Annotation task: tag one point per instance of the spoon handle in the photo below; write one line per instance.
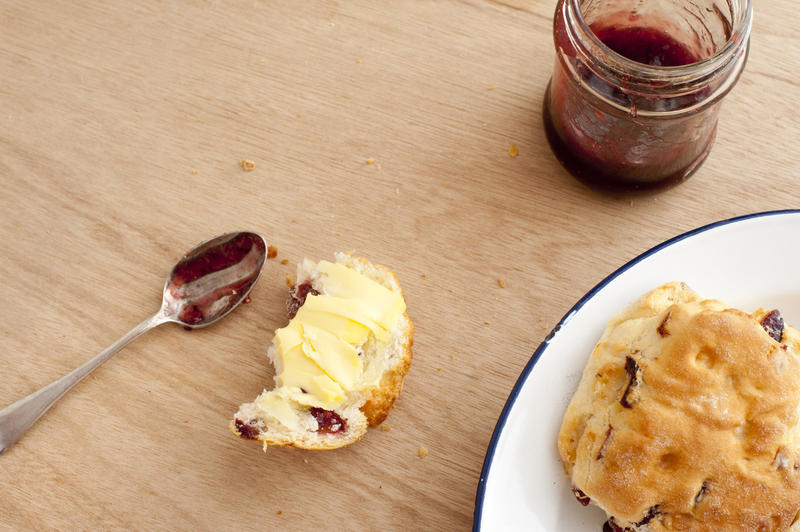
(16, 418)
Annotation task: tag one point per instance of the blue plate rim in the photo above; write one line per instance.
(512, 397)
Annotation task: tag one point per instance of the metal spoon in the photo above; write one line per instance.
(205, 285)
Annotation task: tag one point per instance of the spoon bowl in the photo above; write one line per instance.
(203, 287)
(212, 279)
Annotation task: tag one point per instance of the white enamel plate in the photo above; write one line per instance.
(748, 262)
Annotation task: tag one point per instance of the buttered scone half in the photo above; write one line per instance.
(686, 418)
(339, 363)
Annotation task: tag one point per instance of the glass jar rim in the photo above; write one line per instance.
(621, 66)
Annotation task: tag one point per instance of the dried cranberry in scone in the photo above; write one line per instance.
(297, 296)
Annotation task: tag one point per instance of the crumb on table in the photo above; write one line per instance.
(285, 261)
(512, 150)
(386, 427)
(247, 165)
(370, 160)
(272, 252)
(423, 452)
(501, 282)
(289, 281)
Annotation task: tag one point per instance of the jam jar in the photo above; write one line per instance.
(637, 84)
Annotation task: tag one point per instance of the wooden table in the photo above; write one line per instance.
(378, 127)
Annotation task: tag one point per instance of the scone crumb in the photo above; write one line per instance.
(386, 427)
(491, 88)
(247, 165)
(285, 261)
(280, 512)
(424, 275)
(501, 282)
(439, 368)
(452, 357)
(195, 171)
(272, 252)
(512, 150)
(305, 460)
(423, 452)
(370, 160)
(487, 322)
(289, 281)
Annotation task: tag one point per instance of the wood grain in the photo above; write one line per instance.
(121, 130)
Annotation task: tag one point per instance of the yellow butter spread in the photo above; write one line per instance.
(319, 350)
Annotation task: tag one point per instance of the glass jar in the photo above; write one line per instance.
(637, 84)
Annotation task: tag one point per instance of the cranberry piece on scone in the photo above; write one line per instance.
(297, 296)
(328, 421)
(581, 496)
(773, 324)
(633, 370)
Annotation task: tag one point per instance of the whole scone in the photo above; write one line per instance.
(686, 418)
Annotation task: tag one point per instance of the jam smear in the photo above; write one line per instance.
(297, 296)
(645, 45)
(773, 324)
(329, 421)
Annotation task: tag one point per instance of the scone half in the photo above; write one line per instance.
(339, 363)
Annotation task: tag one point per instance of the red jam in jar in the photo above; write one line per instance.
(637, 84)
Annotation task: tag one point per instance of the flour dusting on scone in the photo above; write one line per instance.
(687, 417)
(339, 363)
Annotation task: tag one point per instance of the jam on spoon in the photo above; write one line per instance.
(204, 286)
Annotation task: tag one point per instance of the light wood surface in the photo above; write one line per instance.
(122, 125)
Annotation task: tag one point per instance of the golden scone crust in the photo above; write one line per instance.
(686, 418)
(380, 399)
